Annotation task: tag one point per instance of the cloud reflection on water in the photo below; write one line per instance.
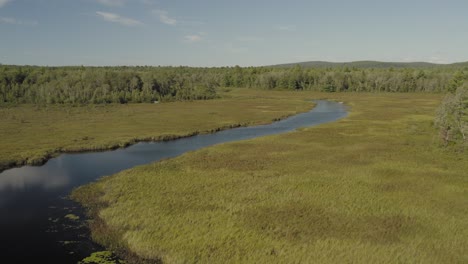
(27, 177)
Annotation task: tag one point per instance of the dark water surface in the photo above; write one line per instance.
(33, 226)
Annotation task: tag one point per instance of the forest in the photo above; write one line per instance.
(144, 84)
(101, 85)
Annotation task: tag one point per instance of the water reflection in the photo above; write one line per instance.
(28, 193)
(27, 177)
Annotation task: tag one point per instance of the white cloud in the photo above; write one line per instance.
(13, 21)
(437, 56)
(4, 2)
(111, 17)
(193, 38)
(164, 17)
(111, 2)
(438, 60)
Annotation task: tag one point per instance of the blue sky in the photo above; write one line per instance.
(227, 33)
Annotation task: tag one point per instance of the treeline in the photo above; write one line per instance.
(363, 80)
(96, 85)
(82, 85)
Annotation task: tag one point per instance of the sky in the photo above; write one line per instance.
(211, 33)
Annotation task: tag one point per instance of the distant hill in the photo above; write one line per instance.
(459, 64)
(369, 64)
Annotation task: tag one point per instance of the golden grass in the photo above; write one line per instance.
(30, 134)
(371, 188)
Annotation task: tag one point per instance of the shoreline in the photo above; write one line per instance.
(88, 216)
(39, 161)
(88, 198)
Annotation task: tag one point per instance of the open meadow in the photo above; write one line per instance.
(374, 187)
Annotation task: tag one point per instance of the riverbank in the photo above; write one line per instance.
(372, 187)
(31, 135)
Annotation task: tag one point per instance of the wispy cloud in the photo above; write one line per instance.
(193, 38)
(164, 17)
(116, 18)
(111, 2)
(437, 59)
(4, 2)
(439, 56)
(286, 28)
(13, 21)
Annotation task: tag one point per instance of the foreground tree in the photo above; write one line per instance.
(452, 118)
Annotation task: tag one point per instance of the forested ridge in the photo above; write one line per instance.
(97, 85)
(372, 64)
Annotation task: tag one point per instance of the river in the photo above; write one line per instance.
(33, 202)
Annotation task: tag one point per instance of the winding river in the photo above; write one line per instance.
(33, 205)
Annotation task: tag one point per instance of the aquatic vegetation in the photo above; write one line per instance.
(72, 217)
(102, 257)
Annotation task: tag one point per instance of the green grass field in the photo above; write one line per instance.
(30, 134)
(370, 188)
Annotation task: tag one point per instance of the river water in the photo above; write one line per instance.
(33, 203)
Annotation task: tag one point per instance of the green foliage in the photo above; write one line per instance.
(370, 188)
(457, 80)
(102, 257)
(99, 85)
(352, 79)
(329, 85)
(452, 118)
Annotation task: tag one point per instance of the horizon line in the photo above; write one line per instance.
(234, 65)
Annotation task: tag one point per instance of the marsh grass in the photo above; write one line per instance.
(371, 188)
(32, 134)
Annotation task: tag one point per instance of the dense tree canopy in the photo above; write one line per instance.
(82, 85)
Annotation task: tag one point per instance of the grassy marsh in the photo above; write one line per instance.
(370, 188)
(32, 134)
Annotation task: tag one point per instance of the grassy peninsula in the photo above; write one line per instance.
(30, 134)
